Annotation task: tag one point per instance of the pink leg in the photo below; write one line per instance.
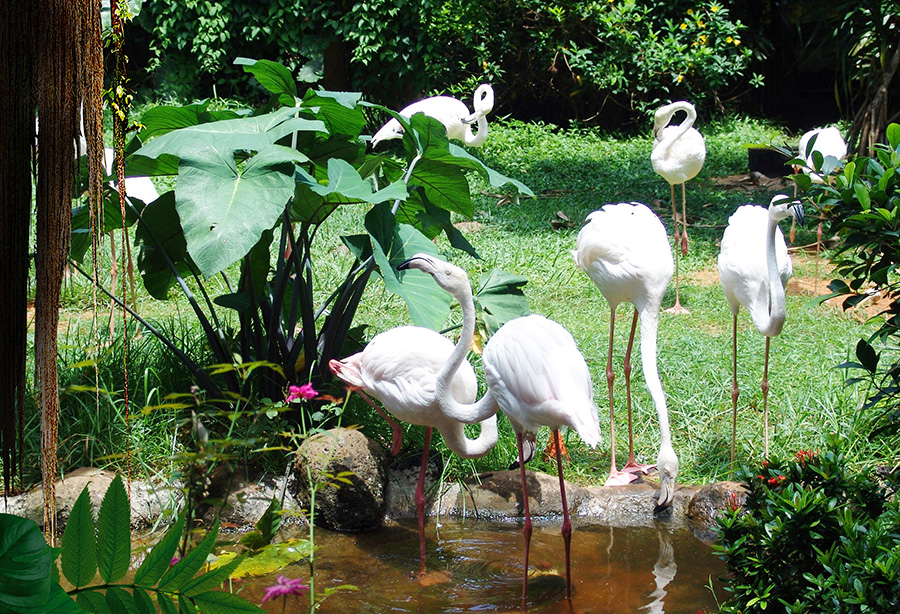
(632, 466)
(526, 530)
(684, 235)
(734, 386)
(676, 308)
(420, 498)
(616, 477)
(567, 524)
(396, 432)
(765, 392)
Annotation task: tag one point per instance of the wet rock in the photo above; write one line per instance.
(709, 502)
(356, 500)
(246, 500)
(147, 502)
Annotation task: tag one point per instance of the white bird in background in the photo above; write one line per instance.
(624, 249)
(829, 143)
(534, 373)
(399, 367)
(678, 155)
(451, 112)
(754, 268)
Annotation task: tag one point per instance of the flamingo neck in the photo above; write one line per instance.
(476, 139)
(666, 141)
(777, 308)
(468, 413)
(454, 435)
(649, 328)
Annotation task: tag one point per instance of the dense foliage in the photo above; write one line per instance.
(860, 204)
(572, 59)
(814, 535)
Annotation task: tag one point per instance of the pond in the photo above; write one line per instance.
(476, 566)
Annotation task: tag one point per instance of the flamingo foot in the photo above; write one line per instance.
(677, 309)
(632, 466)
(431, 578)
(620, 478)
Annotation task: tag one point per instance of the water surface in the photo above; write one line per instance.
(476, 566)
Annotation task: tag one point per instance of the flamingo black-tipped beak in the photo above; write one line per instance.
(666, 494)
(798, 213)
(409, 262)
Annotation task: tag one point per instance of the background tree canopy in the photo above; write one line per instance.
(602, 63)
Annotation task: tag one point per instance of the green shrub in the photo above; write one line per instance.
(813, 536)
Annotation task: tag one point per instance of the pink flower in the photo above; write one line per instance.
(284, 586)
(174, 560)
(306, 391)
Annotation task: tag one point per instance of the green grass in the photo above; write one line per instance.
(574, 172)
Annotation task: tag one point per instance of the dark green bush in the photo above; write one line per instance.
(813, 536)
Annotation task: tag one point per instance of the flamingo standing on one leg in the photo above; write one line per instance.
(451, 112)
(624, 249)
(678, 155)
(399, 367)
(534, 373)
(754, 268)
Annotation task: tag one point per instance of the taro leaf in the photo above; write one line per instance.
(79, 543)
(25, 563)
(223, 209)
(359, 245)
(868, 357)
(220, 602)
(114, 533)
(340, 111)
(184, 570)
(314, 201)
(500, 298)
(445, 185)
(393, 243)
(161, 224)
(497, 180)
(417, 211)
(158, 560)
(242, 134)
(273, 76)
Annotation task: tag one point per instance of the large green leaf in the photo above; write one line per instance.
(314, 200)
(339, 110)
(114, 533)
(225, 209)
(497, 180)
(25, 562)
(161, 240)
(158, 560)
(445, 185)
(393, 243)
(271, 75)
(500, 298)
(60, 602)
(79, 543)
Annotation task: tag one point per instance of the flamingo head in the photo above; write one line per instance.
(782, 207)
(663, 116)
(667, 465)
(448, 276)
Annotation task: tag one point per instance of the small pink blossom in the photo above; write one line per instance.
(284, 586)
(306, 391)
(174, 560)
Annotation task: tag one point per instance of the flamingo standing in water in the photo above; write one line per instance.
(754, 268)
(624, 249)
(399, 367)
(534, 373)
(451, 112)
(678, 155)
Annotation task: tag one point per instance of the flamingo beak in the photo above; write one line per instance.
(666, 494)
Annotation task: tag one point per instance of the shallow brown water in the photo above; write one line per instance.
(476, 566)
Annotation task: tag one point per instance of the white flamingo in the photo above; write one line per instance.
(451, 112)
(399, 367)
(534, 373)
(678, 155)
(754, 268)
(624, 249)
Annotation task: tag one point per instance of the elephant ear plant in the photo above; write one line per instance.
(252, 192)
